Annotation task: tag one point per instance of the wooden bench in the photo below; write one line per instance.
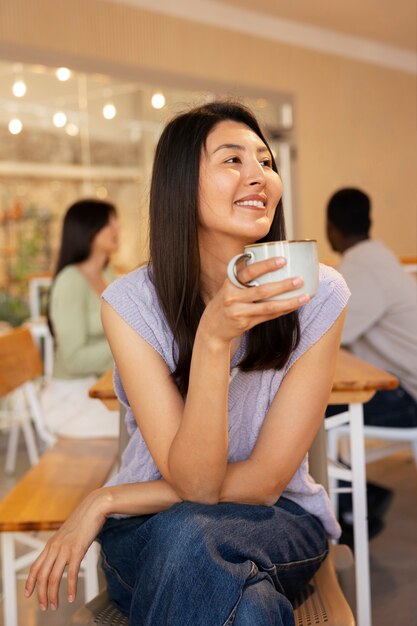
(43, 499)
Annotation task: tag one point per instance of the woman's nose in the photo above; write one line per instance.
(255, 173)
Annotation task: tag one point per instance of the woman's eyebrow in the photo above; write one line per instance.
(236, 146)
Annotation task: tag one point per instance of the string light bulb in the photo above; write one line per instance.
(59, 119)
(109, 111)
(158, 100)
(63, 74)
(15, 126)
(19, 88)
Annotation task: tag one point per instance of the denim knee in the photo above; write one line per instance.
(182, 532)
(121, 544)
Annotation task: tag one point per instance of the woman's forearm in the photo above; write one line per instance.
(198, 454)
(135, 498)
(246, 482)
(242, 483)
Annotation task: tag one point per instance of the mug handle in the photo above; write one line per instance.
(231, 270)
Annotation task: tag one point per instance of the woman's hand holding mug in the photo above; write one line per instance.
(278, 278)
(301, 261)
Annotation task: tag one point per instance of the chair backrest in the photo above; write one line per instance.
(317, 458)
(20, 360)
(39, 287)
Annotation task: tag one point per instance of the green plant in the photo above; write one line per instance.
(13, 309)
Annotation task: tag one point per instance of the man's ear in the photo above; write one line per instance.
(334, 235)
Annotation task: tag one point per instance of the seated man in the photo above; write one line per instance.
(380, 327)
(381, 319)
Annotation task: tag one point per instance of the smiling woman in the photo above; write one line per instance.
(241, 175)
(224, 394)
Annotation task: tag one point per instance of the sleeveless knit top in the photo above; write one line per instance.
(134, 298)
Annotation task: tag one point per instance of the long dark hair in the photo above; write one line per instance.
(82, 221)
(174, 252)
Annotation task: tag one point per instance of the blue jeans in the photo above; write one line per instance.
(212, 565)
(392, 408)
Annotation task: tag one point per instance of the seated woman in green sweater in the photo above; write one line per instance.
(89, 238)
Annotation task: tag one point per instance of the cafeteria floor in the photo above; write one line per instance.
(393, 552)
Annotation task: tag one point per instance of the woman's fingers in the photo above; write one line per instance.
(254, 270)
(235, 295)
(259, 312)
(33, 574)
(72, 578)
(42, 583)
(246, 315)
(54, 581)
(66, 548)
(236, 310)
(250, 273)
(276, 308)
(268, 290)
(46, 574)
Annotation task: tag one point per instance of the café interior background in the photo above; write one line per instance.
(334, 85)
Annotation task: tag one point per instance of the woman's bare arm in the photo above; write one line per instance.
(290, 426)
(188, 440)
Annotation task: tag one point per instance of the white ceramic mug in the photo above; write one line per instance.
(301, 257)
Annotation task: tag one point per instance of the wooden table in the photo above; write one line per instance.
(357, 380)
(103, 389)
(355, 383)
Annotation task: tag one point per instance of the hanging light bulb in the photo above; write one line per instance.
(59, 119)
(15, 126)
(19, 88)
(109, 111)
(158, 100)
(63, 74)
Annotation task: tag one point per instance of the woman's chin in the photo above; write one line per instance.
(256, 231)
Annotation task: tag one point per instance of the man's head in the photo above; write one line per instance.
(348, 218)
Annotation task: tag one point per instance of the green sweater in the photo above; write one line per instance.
(81, 348)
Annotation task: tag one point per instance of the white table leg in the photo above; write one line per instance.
(360, 516)
(9, 580)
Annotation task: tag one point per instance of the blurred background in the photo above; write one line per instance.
(86, 87)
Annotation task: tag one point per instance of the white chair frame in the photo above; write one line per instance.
(35, 284)
(25, 408)
(398, 439)
(13, 565)
(352, 420)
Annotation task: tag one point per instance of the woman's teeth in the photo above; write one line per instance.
(257, 203)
